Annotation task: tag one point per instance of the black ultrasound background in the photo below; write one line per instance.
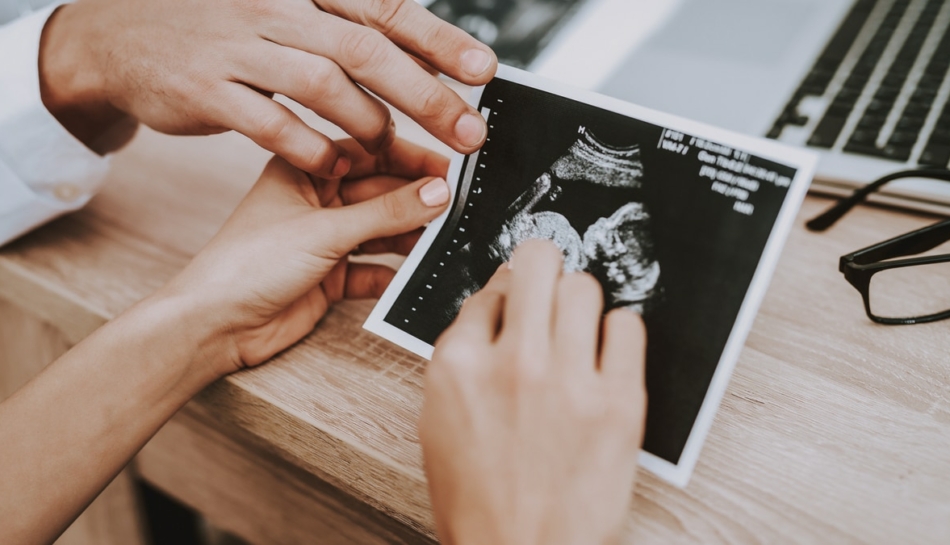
(707, 252)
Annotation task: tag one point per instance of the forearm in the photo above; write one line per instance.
(68, 432)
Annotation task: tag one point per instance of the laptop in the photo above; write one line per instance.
(863, 82)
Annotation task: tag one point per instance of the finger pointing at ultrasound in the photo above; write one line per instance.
(220, 63)
(366, 40)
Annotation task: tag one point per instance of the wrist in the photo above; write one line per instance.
(194, 342)
(73, 89)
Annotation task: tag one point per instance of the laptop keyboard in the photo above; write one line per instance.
(880, 86)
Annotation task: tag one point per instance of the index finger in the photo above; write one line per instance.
(447, 48)
(537, 266)
(379, 65)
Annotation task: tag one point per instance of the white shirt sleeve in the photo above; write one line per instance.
(44, 170)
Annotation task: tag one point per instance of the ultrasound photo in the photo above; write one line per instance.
(673, 226)
(517, 30)
(616, 247)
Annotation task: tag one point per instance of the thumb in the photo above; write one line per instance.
(392, 213)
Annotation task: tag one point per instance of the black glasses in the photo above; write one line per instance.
(913, 290)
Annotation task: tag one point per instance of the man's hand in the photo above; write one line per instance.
(280, 261)
(534, 413)
(185, 67)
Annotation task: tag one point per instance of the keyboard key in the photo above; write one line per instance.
(929, 82)
(839, 45)
(864, 137)
(910, 123)
(904, 138)
(887, 93)
(828, 63)
(863, 149)
(935, 155)
(897, 153)
(839, 109)
(827, 132)
(877, 106)
(872, 121)
(936, 69)
(848, 96)
(917, 109)
(940, 135)
(907, 130)
(893, 80)
(924, 96)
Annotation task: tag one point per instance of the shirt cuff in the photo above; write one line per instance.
(33, 145)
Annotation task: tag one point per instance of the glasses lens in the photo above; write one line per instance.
(911, 292)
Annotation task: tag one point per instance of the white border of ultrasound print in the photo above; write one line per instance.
(802, 160)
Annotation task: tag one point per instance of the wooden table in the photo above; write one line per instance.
(833, 429)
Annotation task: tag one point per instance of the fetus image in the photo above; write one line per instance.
(616, 247)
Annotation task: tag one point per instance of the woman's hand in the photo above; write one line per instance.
(186, 67)
(261, 284)
(534, 411)
(280, 261)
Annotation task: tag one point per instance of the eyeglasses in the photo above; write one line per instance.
(912, 290)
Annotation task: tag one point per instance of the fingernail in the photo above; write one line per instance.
(475, 62)
(470, 130)
(341, 167)
(434, 193)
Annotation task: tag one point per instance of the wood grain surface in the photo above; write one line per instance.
(248, 492)
(833, 429)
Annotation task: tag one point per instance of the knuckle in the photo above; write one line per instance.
(387, 14)
(477, 299)
(582, 284)
(629, 323)
(541, 250)
(526, 368)
(255, 10)
(588, 407)
(386, 126)
(438, 37)
(362, 48)
(627, 410)
(454, 352)
(319, 81)
(470, 302)
(434, 103)
(272, 129)
(319, 156)
(393, 208)
(380, 130)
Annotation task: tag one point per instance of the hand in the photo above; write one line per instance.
(186, 67)
(280, 261)
(262, 282)
(531, 432)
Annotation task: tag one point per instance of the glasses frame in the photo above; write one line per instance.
(860, 266)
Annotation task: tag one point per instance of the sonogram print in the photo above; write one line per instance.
(617, 248)
(622, 204)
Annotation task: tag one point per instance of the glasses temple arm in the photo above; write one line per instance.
(833, 214)
(915, 242)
